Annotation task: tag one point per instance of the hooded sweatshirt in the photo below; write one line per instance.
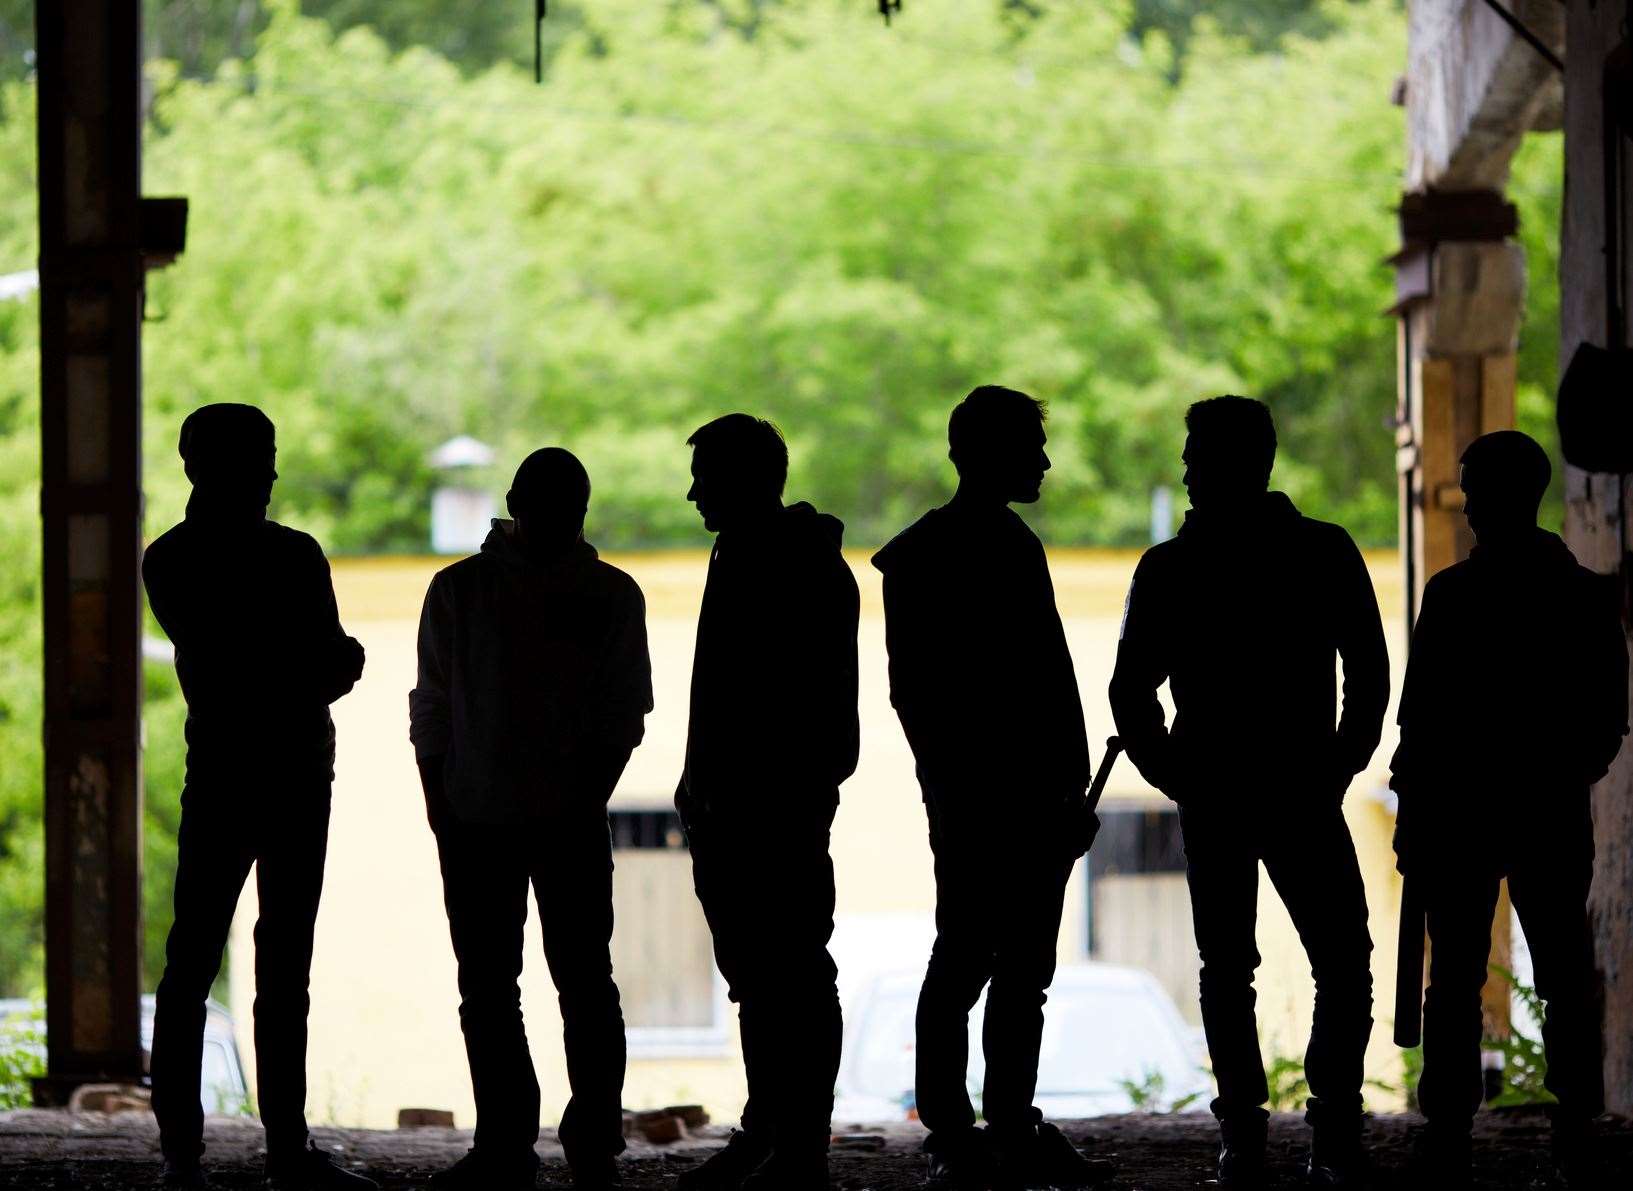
(260, 654)
(1245, 614)
(1516, 694)
(530, 673)
(773, 713)
(980, 674)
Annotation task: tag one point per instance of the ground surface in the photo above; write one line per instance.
(51, 1149)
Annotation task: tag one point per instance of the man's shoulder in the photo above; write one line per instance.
(605, 578)
(289, 540)
(1161, 560)
(1326, 536)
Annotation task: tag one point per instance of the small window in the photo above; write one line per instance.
(662, 954)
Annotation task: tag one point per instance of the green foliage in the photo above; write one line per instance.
(1411, 1075)
(1146, 1094)
(1289, 1088)
(1525, 1065)
(22, 1057)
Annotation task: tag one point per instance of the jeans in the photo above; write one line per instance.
(999, 894)
(1310, 857)
(766, 884)
(486, 872)
(285, 838)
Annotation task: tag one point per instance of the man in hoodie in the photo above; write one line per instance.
(772, 733)
(534, 683)
(982, 681)
(1245, 614)
(260, 655)
(1515, 704)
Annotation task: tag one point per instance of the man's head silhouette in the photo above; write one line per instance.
(995, 439)
(229, 452)
(1230, 447)
(548, 500)
(739, 467)
(1504, 476)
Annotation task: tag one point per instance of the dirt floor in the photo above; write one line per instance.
(55, 1149)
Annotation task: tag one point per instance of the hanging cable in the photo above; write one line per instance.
(1525, 35)
(541, 9)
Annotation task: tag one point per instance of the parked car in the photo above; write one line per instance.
(223, 1088)
(1113, 1041)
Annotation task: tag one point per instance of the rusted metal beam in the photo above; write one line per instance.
(91, 280)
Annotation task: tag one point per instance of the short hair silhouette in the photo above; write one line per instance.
(751, 448)
(550, 480)
(217, 440)
(1510, 467)
(1239, 428)
(991, 415)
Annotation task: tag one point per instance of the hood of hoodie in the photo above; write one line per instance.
(504, 547)
(1271, 513)
(940, 530)
(1537, 550)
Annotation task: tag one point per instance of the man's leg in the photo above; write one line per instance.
(1314, 869)
(961, 963)
(213, 858)
(289, 882)
(1030, 891)
(1551, 899)
(1458, 909)
(484, 888)
(572, 879)
(1222, 871)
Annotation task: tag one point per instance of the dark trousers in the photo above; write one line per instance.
(486, 871)
(284, 834)
(1550, 895)
(767, 891)
(1310, 857)
(999, 894)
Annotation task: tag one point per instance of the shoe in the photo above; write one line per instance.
(1441, 1160)
(964, 1163)
(312, 1170)
(183, 1176)
(1241, 1152)
(783, 1171)
(597, 1174)
(1057, 1162)
(1337, 1158)
(727, 1168)
(479, 1171)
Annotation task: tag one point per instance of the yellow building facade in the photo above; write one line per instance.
(384, 1019)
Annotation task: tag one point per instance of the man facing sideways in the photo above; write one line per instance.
(1515, 703)
(982, 680)
(533, 687)
(772, 733)
(260, 655)
(1245, 614)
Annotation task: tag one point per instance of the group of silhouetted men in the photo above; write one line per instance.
(534, 681)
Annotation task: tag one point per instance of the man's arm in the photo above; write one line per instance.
(339, 657)
(1142, 667)
(915, 641)
(1605, 660)
(430, 721)
(624, 699)
(1366, 663)
(842, 613)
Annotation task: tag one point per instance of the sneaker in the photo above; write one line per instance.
(478, 1171)
(963, 1163)
(1241, 1152)
(1055, 1161)
(1337, 1158)
(312, 1170)
(183, 1176)
(596, 1174)
(783, 1171)
(726, 1168)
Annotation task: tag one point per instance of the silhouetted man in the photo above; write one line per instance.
(982, 681)
(772, 734)
(1515, 703)
(260, 655)
(1245, 614)
(533, 688)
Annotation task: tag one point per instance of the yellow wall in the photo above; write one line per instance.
(384, 1022)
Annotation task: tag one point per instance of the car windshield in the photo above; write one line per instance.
(1092, 1038)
